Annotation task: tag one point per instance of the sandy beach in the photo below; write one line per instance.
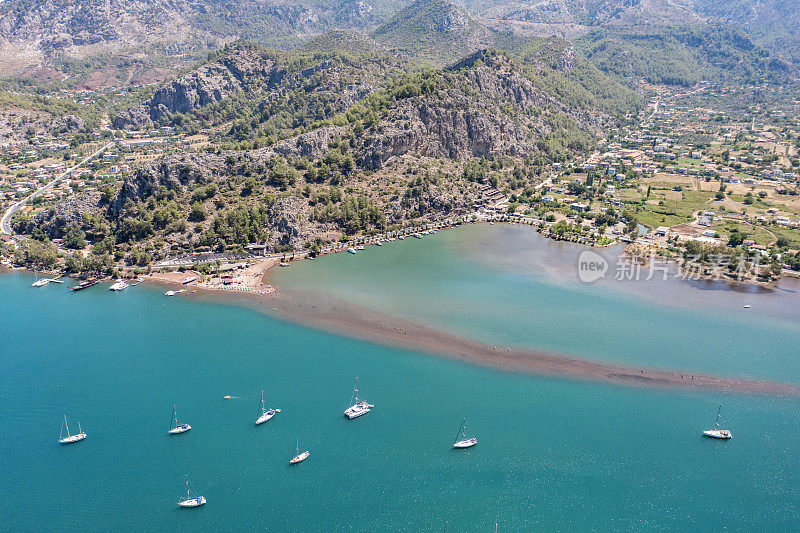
(327, 314)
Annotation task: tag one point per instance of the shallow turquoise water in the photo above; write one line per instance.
(508, 285)
(552, 454)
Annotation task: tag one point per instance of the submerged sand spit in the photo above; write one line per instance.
(325, 313)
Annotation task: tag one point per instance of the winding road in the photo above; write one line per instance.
(5, 222)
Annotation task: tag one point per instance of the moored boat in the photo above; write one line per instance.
(299, 457)
(169, 293)
(351, 250)
(266, 414)
(84, 284)
(118, 285)
(40, 282)
(69, 439)
(176, 428)
(190, 501)
(357, 407)
(718, 433)
(461, 440)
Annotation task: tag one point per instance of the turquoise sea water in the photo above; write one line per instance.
(552, 454)
(506, 284)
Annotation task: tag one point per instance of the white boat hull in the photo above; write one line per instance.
(182, 428)
(359, 409)
(466, 443)
(299, 458)
(193, 502)
(267, 416)
(718, 434)
(73, 438)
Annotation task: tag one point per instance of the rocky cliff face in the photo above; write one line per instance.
(245, 70)
(488, 109)
(320, 86)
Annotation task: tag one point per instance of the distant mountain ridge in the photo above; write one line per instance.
(92, 43)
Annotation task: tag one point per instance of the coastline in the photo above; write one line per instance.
(324, 313)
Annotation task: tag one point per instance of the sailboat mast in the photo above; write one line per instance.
(298, 446)
(67, 425)
(355, 394)
(719, 411)
(459, 430)
(175, 424)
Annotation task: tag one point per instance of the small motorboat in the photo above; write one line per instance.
(360, 247)
(747, 306)
(169, 293)
(118, 285)
(226, 397)
(351, 250)
(188, 280)
(300, 457)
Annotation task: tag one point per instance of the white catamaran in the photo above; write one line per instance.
(266, 414)
(464, 442)
(357, 407)
(174, 427)
(717, 433)
(300, 457)
(190, 501)
(69, 439)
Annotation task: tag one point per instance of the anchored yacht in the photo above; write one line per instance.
(357, 407)
(266, 414)
(300, 457)
(176, 428)
(190, 501)
(717, 433)
(69, 439)
(464, 442)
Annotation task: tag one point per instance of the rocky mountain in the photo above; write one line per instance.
(392, 149)
(435, 31)
(263, 91)
(125, 39)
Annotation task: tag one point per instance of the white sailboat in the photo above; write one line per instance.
(357, 407)
(190, 501)
(717, 433)
(69, 439)
(464, 442)
(266, 414)
(174, 427)
(300, 457)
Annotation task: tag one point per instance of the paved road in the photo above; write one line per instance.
(5, 222)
